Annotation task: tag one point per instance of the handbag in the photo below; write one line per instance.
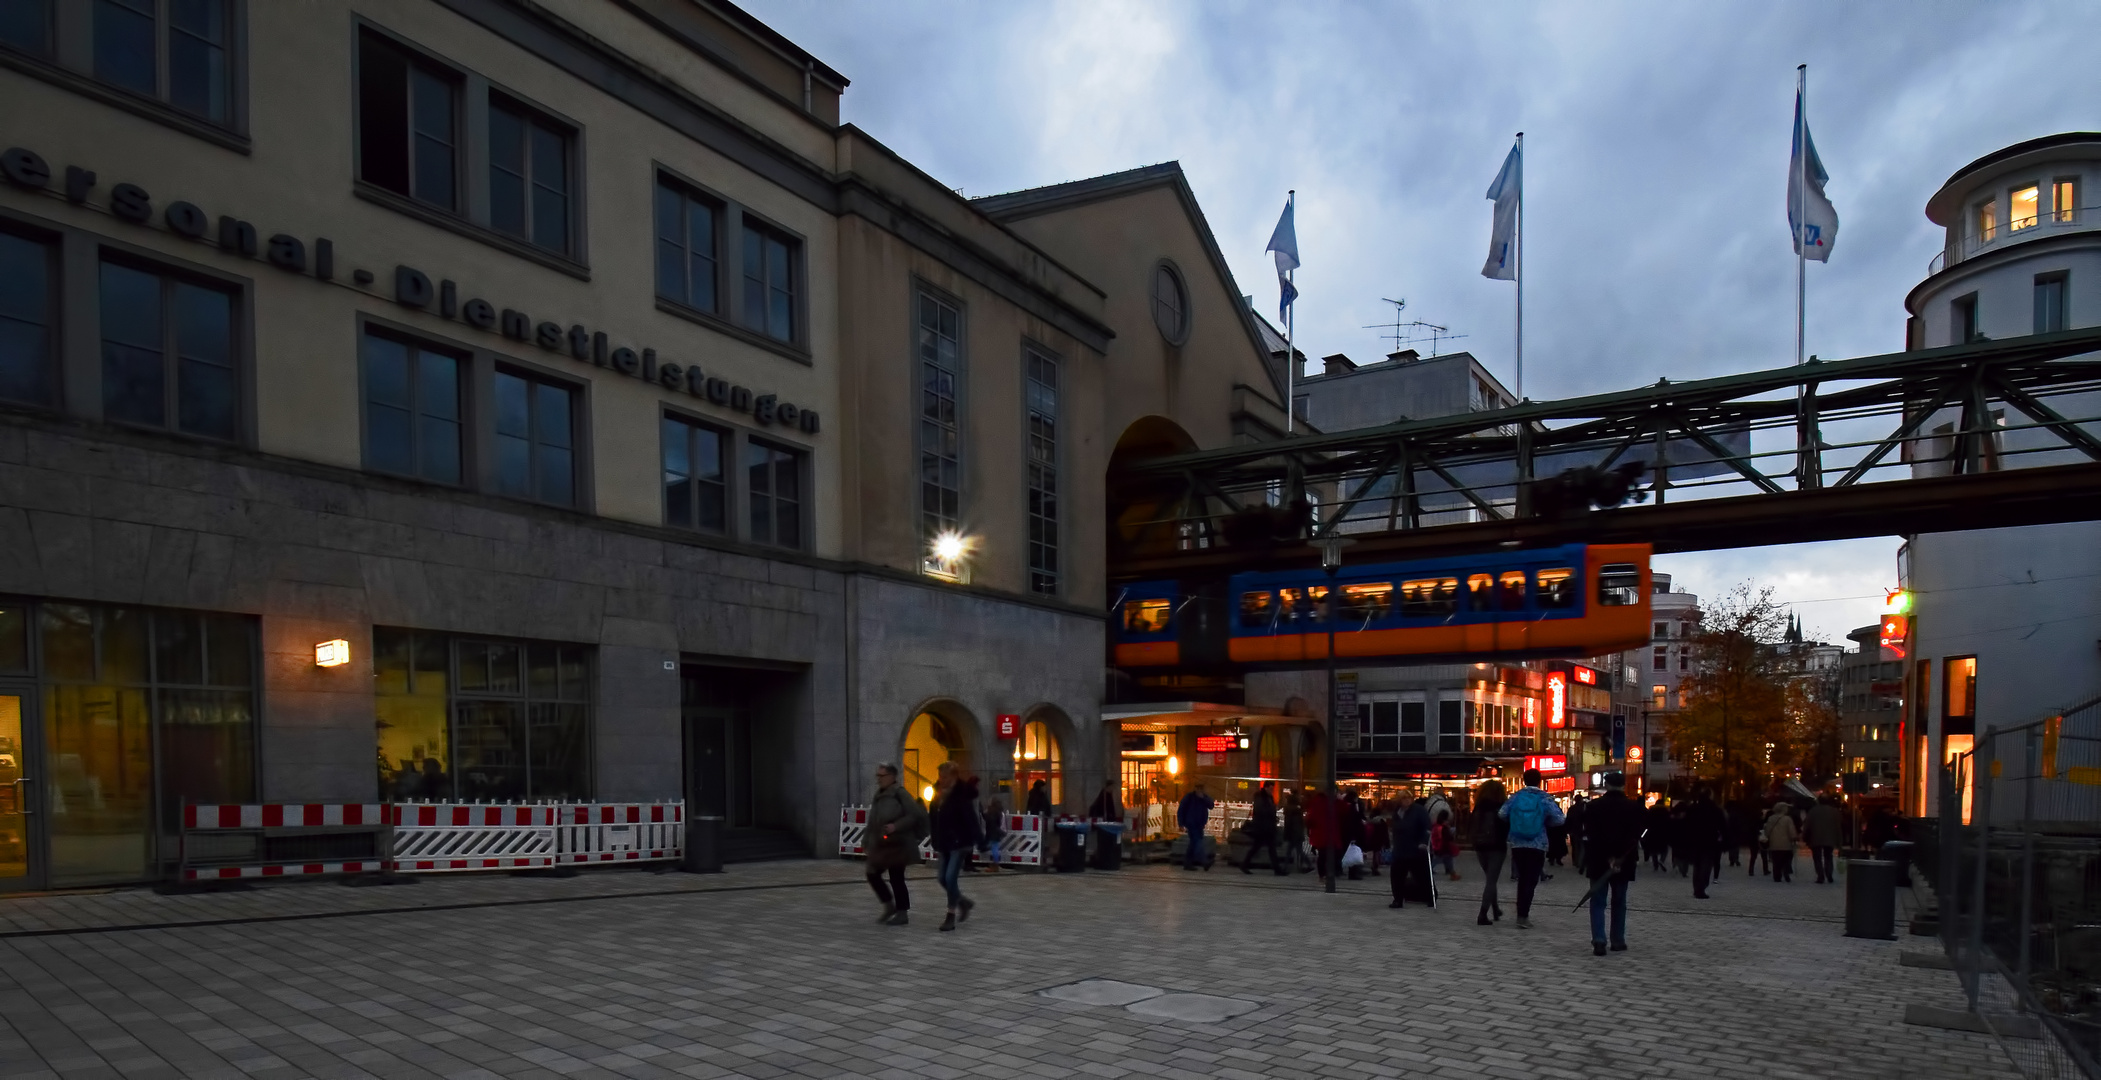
(1352, 856)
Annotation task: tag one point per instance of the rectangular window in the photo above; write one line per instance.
(1962, 313)
(1661, 658)
(1450, 727)
(696, 487)
(412, 409)
(1557, 588)
(481, 721)
(28, 299)
(1431, 598)
(26, 25)
(773, 483)
(2049, 302)
(769, 281)
(940, 451)
(408, 123)
(1657, 695)
(1510, 590)
(1959, 695)
(168, 348)
(1367, 602)
(1987, 214)
(2022, 208)
(1684, 659)
(1480, 592)
(535, 438)
(1663, 631)
(1147, 616)
(2064, 200)
(1257, 609)
(1619, 585)
(1412, 720)
(686, 250)
(1042, 435)
(528, 175)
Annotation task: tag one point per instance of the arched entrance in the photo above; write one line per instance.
(1136, 508)
(939, 732)
(1039, 756)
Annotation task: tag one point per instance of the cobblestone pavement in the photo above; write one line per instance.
(779, 970)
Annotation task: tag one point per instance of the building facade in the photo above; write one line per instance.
(2004, 621)
(1870, 707)
(490, 400)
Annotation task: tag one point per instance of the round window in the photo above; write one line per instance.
(1170, 303)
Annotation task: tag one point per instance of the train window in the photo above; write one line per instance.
(1306, 605)
(1430, 596)
(1480, 592)
(1511, 589)
(1367, 601)
(1619, 584)
(1257, 609)
(1557, 588)
(1146, 616)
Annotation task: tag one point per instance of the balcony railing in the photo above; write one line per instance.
(2015, 231)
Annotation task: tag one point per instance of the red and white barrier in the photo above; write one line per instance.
(621, 832)
(282, 815)
(440, 837)
(270, 870)
(1022, 844)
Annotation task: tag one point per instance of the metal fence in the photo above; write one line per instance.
(2015, 861)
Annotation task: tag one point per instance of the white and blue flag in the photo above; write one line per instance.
(1508, 191)
(1814, 225)
(1284, 244)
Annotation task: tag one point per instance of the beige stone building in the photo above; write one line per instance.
(640, 430)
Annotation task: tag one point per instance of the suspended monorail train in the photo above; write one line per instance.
(1571, 601)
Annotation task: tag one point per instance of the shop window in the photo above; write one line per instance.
(696, 484)
(1042, 436)
(687, 255)
(529, 181)
(1959, 695)
(168, 352)
(28, 316)
(773, 481)
(534, 440)
(1557, 588)
(1037, 756)
(408, 123)
(770, 268)
(1257, 609)
(479, 720)
(412, 408)
(1430, 597)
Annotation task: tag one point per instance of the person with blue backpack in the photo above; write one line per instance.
(1530, 813)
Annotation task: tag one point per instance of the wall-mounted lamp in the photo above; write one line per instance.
(332, 653)
(1174, 765)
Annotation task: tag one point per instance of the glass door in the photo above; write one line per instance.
(20, 864)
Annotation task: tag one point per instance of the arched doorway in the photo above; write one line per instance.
(1039, 755)
(936, 734)
(1139, 510)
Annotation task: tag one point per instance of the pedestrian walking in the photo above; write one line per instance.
(1411, 854)
(995, 831)
(1823, 830)
(1705, 831)
(1378, 828)
(1194, 816)
(1294, 834)
(1444, 843)
(1353, 833)
(1530, 814)
(1262, 832)
(1490, 845)
(958, 827)
(1613, 829)
(1780, 836)
(1656, 834)
(896, 823)
(1576, 810)
(1324, 832)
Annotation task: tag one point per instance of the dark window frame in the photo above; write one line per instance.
(2056, 287)
(68, 61)
(935, 520)
(1180, 336)
(727, 318)
(727, 457)
(799, 459)
(579, 434)
(1042, 457)
(1963, 321)
(794, 249)
(690, 196)
(534, 123)
(467, 420)
(54, 373)
(240, 342)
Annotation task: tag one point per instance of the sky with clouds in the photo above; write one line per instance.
(1656, 137)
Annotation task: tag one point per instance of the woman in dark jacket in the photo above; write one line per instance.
(1294, 832)
(958, 828)
(1491, 844)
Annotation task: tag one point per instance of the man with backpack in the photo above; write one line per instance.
(1530, 813)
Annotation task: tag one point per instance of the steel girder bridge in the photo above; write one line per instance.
(1985, 435)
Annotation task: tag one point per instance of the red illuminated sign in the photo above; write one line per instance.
(1547, 763)
(1559, 785)
(1557, 699)
(1584, 675)
(1896, 632)
(1010, 725)
(1217, 744)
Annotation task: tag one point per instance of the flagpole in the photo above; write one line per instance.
(1521, 266)
(1291, 318)
(1801, 207)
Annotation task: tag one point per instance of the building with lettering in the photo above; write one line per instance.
(484, 400)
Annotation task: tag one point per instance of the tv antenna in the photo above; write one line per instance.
(1394, 328)
(1401, 334)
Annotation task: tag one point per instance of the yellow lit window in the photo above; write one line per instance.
(2021, 209)
(1145, 616)
(1431, 596)
(2065, 203)
(1557, 588)
(1481, 592)
(1987, 220)
(1512, 588)
(1367, 600)
(1658, 693)
(1256, 609)
(1962, 687)
(1309, 604)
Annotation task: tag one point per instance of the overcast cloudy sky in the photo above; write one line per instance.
(1656, 140)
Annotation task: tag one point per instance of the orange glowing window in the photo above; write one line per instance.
(1366, 601)
(1257, 609)
(1480, 592)
(1146, 616)
(1557, 588)
(1433, 597)
(1510, 588)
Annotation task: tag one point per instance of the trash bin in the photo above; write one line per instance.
(1899, 852)
(1871, 899)
(703, 844)
(1071, 856)
(1108, 845)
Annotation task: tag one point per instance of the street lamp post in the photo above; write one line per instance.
(1331, 561)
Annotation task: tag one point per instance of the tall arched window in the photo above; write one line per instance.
(1037, 756)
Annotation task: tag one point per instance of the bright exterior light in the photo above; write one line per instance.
(332, 653)
(1634, 753)
(1896, 602)
(927, 793)
(948, 547)
(1174, 765)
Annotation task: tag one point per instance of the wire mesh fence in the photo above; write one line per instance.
(2015, 861)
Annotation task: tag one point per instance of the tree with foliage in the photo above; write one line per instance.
(1733, 719)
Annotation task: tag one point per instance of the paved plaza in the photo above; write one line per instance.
(779, 970)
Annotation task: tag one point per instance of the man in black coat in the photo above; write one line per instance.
(1262, 832)
(1705, 834)
(1411, 854)
(1612, 830)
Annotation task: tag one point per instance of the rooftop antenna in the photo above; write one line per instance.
(1395, 327)
(1436, 334)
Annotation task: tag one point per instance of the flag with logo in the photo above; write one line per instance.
(1284, 245)
(1810, 215)
(1508, 192)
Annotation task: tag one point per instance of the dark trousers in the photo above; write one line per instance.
(1193, 854)
(1491, 868)
(1820, 857)
(1706, 865)
(883, 892)
(1758, 861)
(1614, 896)
(1529, 862)
(1733, 859)
(950, 875)
(1783, 865)
(1268, 844)
(1410, 868)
